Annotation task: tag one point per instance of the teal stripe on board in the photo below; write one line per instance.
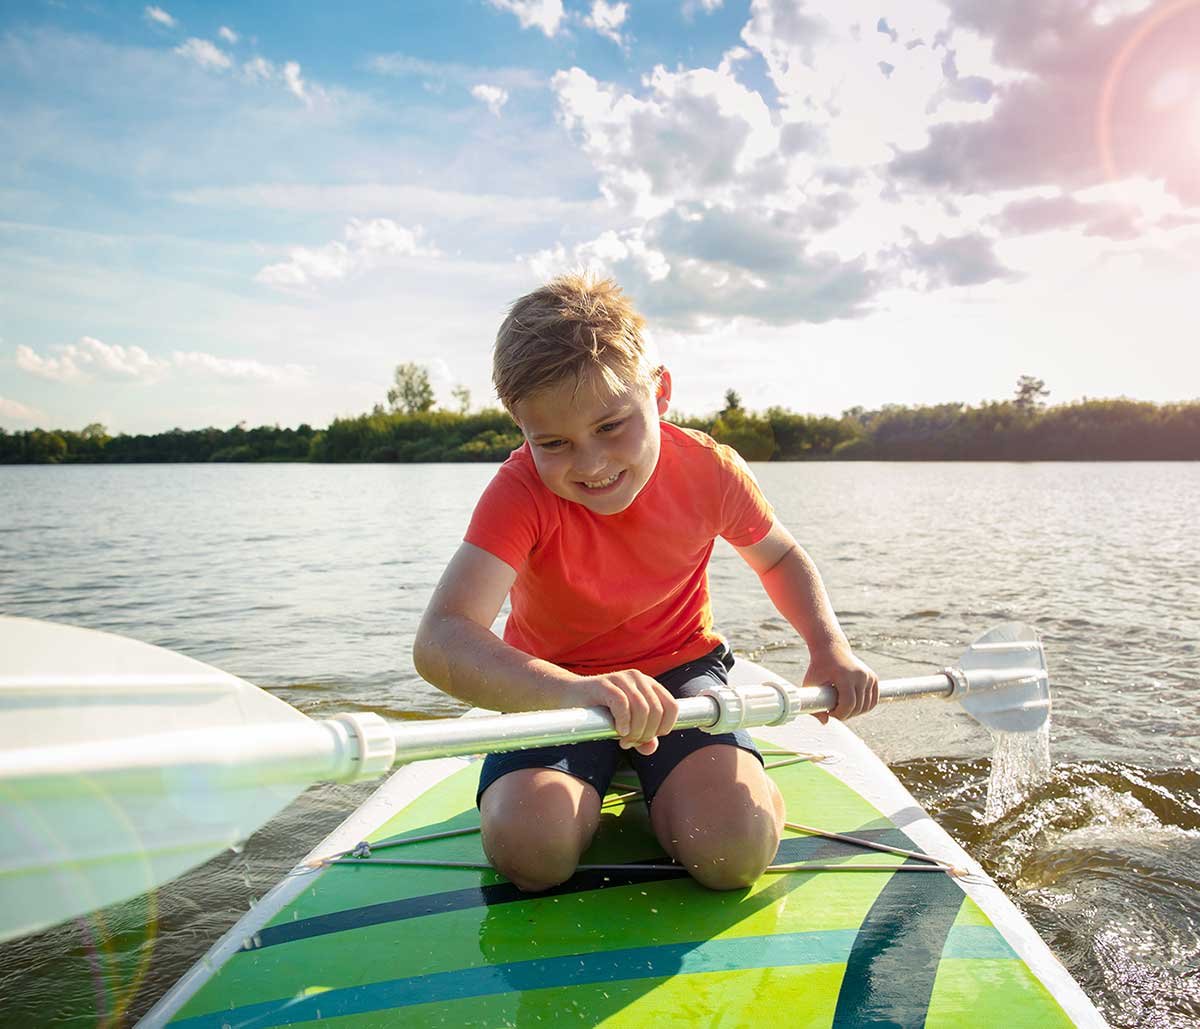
(979, 942)
(747, 952)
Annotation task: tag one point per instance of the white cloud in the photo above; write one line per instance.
(237, 369)
(367, 245)
(698, 135)
(546, 15)
(204, 54)
(606, 254)
(868, 82)
(733, 210)
(1107, 11)
(77, 362)
(607, 19)
(258, 69)
(729, 265)
(493, 96)
(57, 369)
(227, 34)
(159, 17)
(12, 410)
(90, 358)
(384, 236)
(295, 84)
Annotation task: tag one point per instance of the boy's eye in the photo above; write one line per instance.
(609, 426)
(552, 444)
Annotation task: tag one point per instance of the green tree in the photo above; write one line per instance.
(733, 400)
(750, 435)
(89, 446)
(411, 391)
(1031, 393)
(462, 397)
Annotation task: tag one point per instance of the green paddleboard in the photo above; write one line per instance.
(373, 945)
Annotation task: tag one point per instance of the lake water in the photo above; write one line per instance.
(309, 580)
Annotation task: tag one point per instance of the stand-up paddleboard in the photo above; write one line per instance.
(375, 944)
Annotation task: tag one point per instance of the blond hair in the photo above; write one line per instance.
(576, 327)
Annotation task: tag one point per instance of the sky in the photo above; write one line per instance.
(214, 213)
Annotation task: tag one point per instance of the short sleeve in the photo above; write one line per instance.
(507, 520)
(746, 517)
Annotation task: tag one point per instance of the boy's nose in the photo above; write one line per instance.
(589, 464)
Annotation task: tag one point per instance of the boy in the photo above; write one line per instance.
(601, 526)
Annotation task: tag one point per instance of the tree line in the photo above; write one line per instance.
(410, 429)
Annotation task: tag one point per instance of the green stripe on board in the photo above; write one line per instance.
(773, 952)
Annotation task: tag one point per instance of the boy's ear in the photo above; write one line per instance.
(663, 391)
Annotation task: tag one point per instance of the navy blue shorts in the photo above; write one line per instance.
(596, 760)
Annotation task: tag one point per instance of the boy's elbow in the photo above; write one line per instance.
(426, 652)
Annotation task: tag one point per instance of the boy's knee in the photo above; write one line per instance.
(729, 866)
(735, 853)
(531, 865)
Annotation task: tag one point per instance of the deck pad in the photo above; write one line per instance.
(389, 946)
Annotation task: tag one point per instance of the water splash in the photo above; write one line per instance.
(1020, 763)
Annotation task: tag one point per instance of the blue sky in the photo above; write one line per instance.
(212, 213)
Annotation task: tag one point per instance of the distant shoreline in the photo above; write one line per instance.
(1087, 430)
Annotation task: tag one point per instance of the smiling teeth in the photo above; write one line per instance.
(601, 483)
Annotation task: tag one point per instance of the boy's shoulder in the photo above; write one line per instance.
(688, 438)
(699, 447)
(518, 468)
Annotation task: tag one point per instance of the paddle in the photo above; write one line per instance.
(123, 765)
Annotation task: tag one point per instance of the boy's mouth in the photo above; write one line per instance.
(597, 485)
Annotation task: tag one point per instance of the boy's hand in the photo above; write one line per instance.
(857, 686)
(642, 708)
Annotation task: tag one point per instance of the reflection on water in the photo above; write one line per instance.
(309, 581)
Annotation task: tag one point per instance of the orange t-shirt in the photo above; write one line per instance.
(598, 593)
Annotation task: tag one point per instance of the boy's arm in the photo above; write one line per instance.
(795, 588)
(456, 650)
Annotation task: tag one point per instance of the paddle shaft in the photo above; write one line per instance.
(762, 705)
(329, 749)
(499, 733)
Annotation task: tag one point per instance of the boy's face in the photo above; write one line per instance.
(591, 446)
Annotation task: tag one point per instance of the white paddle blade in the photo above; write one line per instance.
(1008, 685)
(75, 838)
